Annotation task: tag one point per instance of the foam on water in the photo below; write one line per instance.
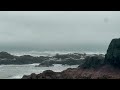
(51, 53)
(17, 71)
(15, 77)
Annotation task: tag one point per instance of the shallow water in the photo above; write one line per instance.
(17, 71)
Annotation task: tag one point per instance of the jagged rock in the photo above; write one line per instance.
(113, 53)
(46, 61)
(93, 62)
(6, 58)
(5, 55)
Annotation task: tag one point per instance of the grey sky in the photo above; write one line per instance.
(34, 30)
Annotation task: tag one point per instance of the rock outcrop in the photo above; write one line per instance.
(95, 67)
(46, 61)
(112, 56)
(5, 55)
(64, 59)
(6, 58)
(104, 72)
(68, 61)
(93, 62)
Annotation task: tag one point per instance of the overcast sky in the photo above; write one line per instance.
(36, 30)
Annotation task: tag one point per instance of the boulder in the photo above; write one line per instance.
(93, 62)
(112, 56)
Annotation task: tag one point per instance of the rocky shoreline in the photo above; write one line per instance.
(94, 67)
(45, 61)
(104, 72)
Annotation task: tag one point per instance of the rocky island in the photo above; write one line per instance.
(93, 67)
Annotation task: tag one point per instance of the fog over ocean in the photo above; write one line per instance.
(58, 30)
(46, 33)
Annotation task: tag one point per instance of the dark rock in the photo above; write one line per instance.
(72, 61)
(45, 64)
(26, 77)
(6, 58)
(48, 74)
(113, 53)
(58, 56)
(71, 55)
(46, 61)
(93, 62)
(33, 76)
(64, 59)
(5, 55)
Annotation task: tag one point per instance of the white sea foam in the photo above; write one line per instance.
(52, 53)
(17, 71)
(16, 77)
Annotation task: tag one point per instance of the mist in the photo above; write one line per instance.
(58, 30)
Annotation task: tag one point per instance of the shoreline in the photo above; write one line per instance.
(15, 71)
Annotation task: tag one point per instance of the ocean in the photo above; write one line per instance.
(51, 53)
(17, 71)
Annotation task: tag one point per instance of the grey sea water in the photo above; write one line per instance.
(17, 71)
